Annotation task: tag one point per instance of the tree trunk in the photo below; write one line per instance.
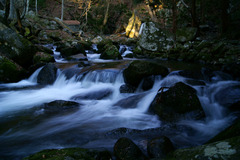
(19, 20)
(174, 18)
(106, 13)
(224, 15)
(150, 12)
(194, 15)
(62, 10)
(12, 13)
(36, 7)
(27, 6)
(7, 9)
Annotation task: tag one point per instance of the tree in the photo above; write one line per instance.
(36, 7)
(224, 15)
(62, 10)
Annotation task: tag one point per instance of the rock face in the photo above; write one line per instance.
(111, 52)
(178, 102)
(153, 38)
(125, 149)
(138, 70)
(186, 34)
(159, 147)
(16, 47)
(10, 71)
(221, 150)
(47, 75)
(70, 154)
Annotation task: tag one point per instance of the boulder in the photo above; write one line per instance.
(138, 70)
(15, 47)
(10, 71)
(126, 149)
(60, 106)
(159, 147)
(70, 154)
(153, 38)
(221, 150)
(126, 88)
(111, 52)
(227, 96)
(47, 75)
(180, 101)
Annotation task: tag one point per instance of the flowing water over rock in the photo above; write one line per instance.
(103, 113)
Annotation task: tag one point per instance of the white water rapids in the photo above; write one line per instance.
(87, 126)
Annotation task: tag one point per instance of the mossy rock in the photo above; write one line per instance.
(126, 149)
(111, 52)
(101, 45)
(180, 101)
(22, 50)
(221, 150)
(10, 71)
(41, 57)
(47, 75)
(70, 153)
(138, 70)
(186, 34)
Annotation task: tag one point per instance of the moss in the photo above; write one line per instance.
(69, 153)
(41, 57)
(10, 71)
(111, 52)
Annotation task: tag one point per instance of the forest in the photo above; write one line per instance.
(119, 79)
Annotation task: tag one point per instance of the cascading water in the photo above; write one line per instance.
(26, 126)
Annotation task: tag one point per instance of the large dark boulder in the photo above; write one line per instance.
(47, 75)
(180, 101)
(228, 96)
(126, 149)
(111, 52)
(159, 147)
(60, 106)
(10, 71)
(138, 70)
(70, 154)
(15, 47)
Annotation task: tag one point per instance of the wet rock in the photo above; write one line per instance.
(41, 57)
(60, 106)
(129, 102)
(96, 95)
(159, 147)
(111, 52)
(203, 74)
(126, 149)
(227, 96)
(10, 71)
(232, 131)
(70, 154)
(138, 70)
(180, 101)
(232, 69)
(148, 83)
(126, 88)
(221, 150)
(235, 106)
(194, 82)
(47, 75)
(84, 64)
(79, 57)
(15, 47)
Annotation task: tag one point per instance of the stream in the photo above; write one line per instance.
(103, 113)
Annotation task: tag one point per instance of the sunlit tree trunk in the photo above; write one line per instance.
(62, 10)
(106, 13)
